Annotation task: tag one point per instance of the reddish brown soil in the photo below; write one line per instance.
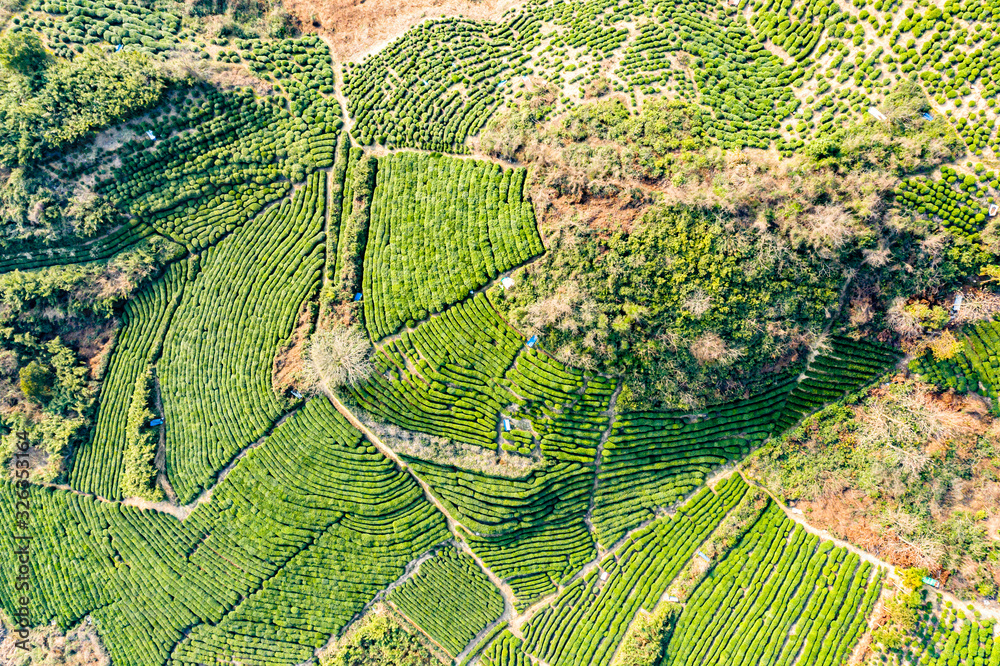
(355, 28)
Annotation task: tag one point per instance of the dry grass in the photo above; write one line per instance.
(569, 309)
(50, 647)
(289, 361)
(445, 452)
(978, 305)
(901, 434)
(337, 357)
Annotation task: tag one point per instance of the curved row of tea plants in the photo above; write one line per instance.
(848, 366)
(505, 650)
(434, 86)
(215, 372)
(440, 227)
(220, 160)
(82, 23)
(97, 465)
(589, 618)
(309, 526)
(654, 459)
(947, 637)
(445, 377)
(780, 596)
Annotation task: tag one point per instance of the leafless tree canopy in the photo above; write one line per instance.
(709, 349)
(337, 357)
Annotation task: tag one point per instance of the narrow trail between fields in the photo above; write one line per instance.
(409, 571)
(453, 524)
(182, 511)
(988, 612)
(610, 413)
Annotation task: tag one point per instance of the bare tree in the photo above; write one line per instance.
(338, 357)
(710, 349)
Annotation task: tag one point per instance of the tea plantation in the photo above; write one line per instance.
(287, 335)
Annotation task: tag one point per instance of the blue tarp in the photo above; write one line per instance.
(357, 297)
(156, 422)
(532, 341)
(928, 116)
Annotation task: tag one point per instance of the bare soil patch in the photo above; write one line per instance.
(288, 362)
(356, 28)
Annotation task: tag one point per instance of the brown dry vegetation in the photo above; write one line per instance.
(917, 447)
(355, 28)
(51, 647)
(288, 362)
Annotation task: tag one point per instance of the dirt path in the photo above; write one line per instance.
(356, 29)
(453, 524)
(181, 511)
(991, 611)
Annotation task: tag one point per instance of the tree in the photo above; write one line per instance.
(913, 577)
(23, 53)
(36, 381)
(338, 357)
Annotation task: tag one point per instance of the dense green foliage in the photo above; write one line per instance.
(378, 640)
(450, 598)
(69, 101)
(138, 474)
(328, 532)
(440, 228)
(355, 219)
(677, 306)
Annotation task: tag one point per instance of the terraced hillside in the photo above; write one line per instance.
(513, 333)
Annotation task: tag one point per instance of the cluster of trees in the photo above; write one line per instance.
(899, 452)
(766, 250)
(47, 105)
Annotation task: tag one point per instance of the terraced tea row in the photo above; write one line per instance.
(588, 619)
(780, 596)
(654, 459)
(312, 541)
(222, 159)
(440, 227)
(432, 87)
(450, 599)
(847, 366)
(215, 372)
(97, 466)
